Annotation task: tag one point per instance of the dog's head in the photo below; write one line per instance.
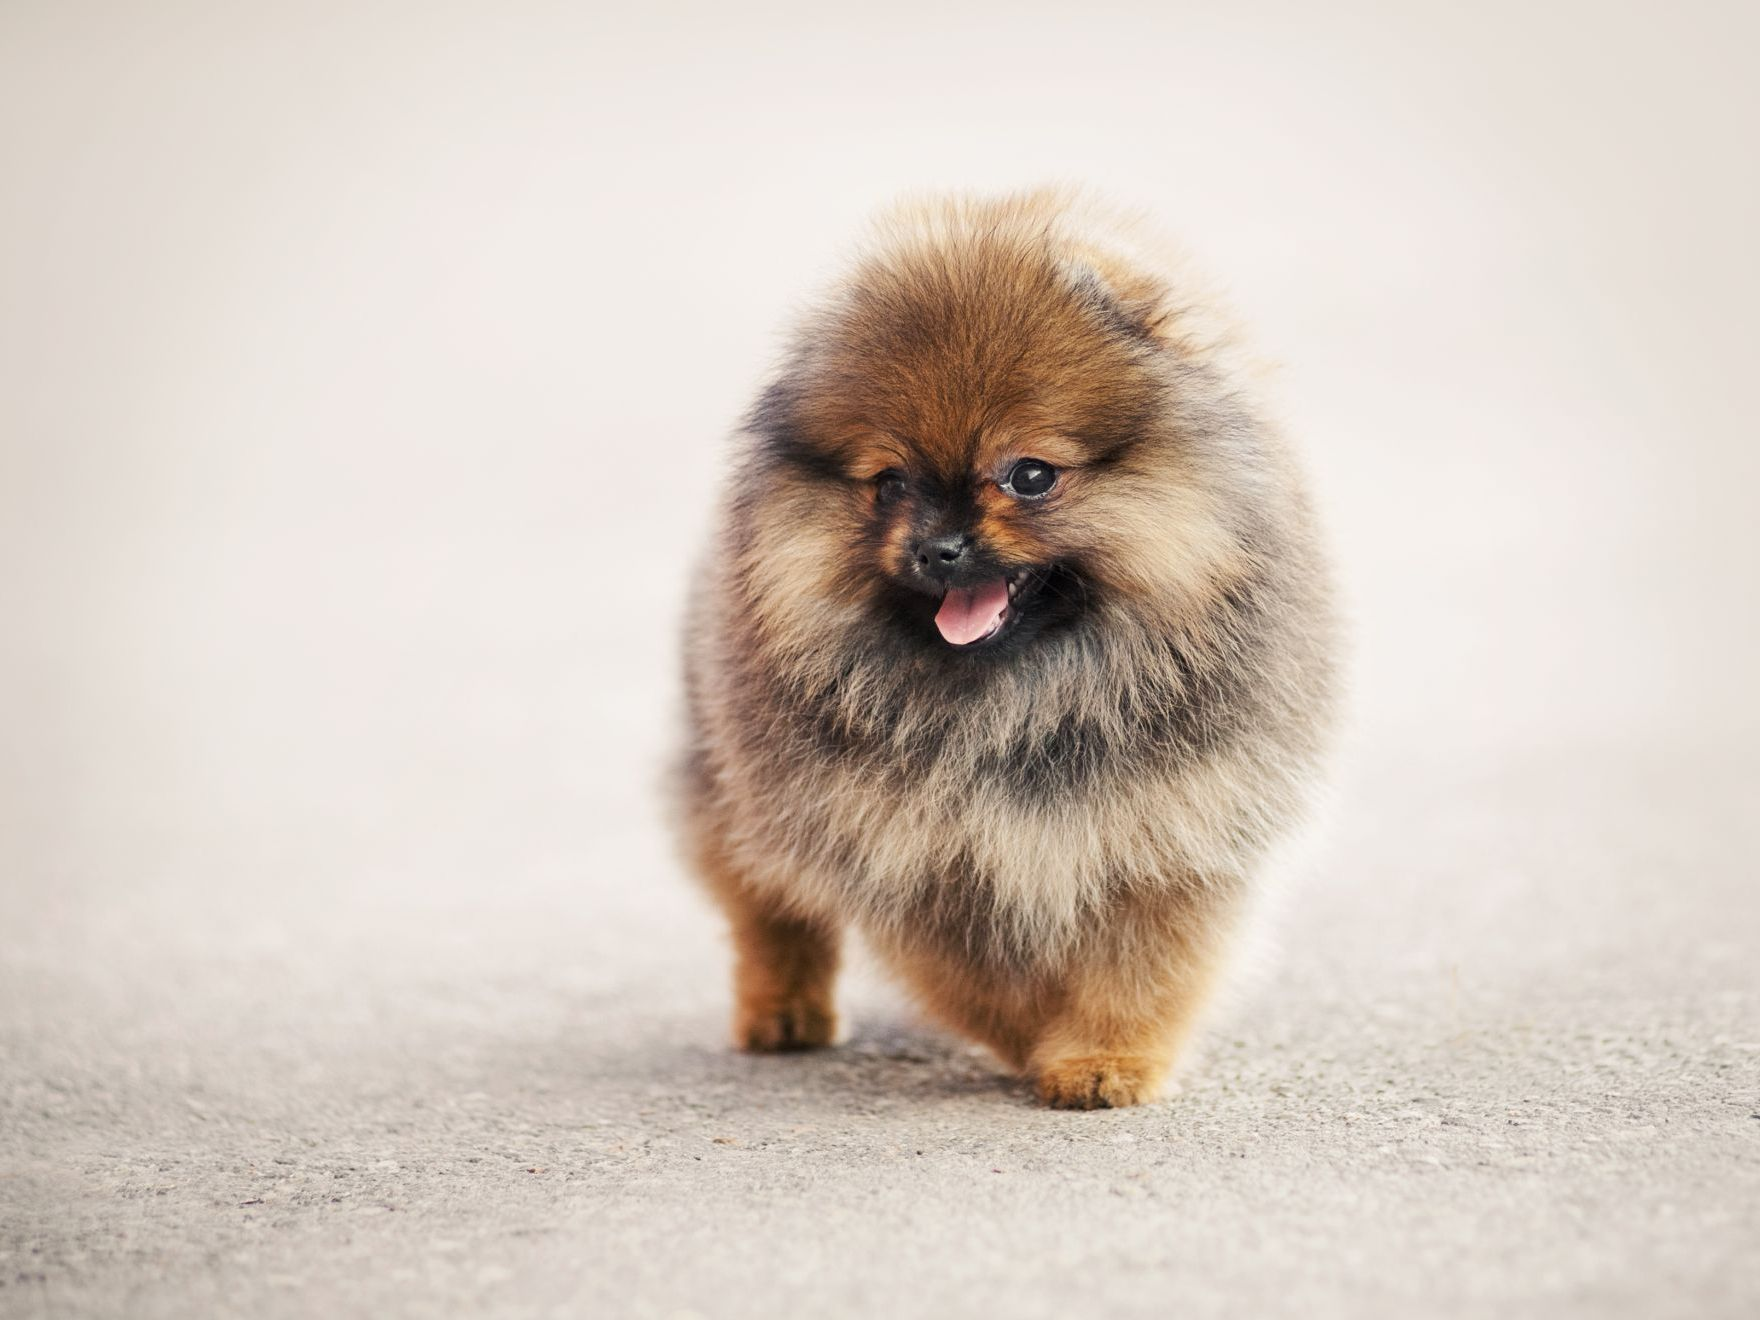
(975, 445)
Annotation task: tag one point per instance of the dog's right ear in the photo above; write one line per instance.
(1133, 306)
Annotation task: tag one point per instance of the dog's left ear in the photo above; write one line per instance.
(1135, 306)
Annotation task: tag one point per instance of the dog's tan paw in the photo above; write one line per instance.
(796, 1025)
(1099, 1081)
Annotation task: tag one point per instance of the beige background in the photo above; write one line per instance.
(363, 370)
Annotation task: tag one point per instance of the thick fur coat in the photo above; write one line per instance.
(1017, 415)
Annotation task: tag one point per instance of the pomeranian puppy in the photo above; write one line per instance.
(1013, 650)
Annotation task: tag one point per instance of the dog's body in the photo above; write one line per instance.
(1014, 650)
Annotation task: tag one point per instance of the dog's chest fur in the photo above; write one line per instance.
(996, 837)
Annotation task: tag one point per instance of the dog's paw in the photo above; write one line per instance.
(1099, 1081)
(799, 1024)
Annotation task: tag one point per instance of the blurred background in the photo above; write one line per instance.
(364, 371)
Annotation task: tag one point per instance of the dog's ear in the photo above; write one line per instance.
(1133, 306)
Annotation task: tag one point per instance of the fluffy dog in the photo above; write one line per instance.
(1013, 650)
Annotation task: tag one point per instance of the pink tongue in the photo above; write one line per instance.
(967, 615)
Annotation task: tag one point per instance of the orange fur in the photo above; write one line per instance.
(1049, 837)
(785, 967)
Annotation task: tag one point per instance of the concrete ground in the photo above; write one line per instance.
(1509, 1064)
(360, 377)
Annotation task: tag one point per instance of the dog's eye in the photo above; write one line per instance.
(1030, 478)
(888, 486)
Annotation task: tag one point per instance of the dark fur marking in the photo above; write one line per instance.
(1112, 313)
(956, 912)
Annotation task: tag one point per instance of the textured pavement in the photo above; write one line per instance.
(1503, 1066)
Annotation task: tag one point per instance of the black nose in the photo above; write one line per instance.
(939, 556)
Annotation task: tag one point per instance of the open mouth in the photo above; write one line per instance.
(971, 616)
